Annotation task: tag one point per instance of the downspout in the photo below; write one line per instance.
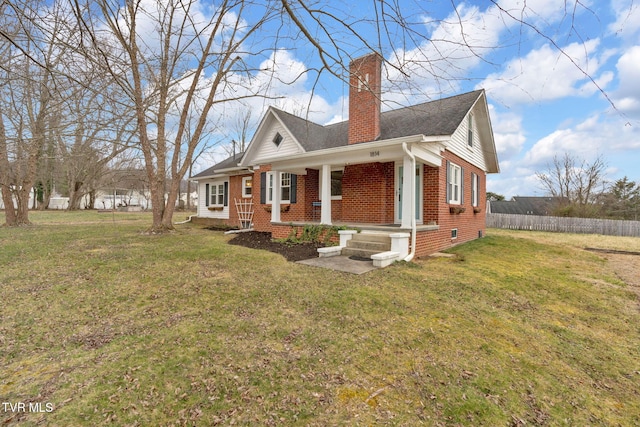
(413, 202)
(188, 220)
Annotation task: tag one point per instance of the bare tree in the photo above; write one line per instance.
(576, 183)
(177, 61)
(28, 103)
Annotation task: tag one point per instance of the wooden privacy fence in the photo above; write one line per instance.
(608, 227)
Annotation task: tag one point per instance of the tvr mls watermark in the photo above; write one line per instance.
(27, 407)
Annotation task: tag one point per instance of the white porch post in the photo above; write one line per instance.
(408, 192)
(275, 199)
(325, 195)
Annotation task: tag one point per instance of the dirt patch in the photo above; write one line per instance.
(262, 240)
(627, 268)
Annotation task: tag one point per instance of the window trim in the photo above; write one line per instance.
(269, 193)
(337, 197)
(244, 186)
(454, 188)
(277, 139)
(475, 189)
(470, 130)
(216, 191)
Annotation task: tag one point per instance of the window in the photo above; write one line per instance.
(475, 187)
(470, 130)
(454, 184)
(247, 183)
(277, 139)
(336, 184)
(454, 233)
(286, 184)
(217, 195)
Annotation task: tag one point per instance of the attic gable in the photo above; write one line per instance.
(272, 139)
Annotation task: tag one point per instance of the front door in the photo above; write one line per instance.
(417, 194)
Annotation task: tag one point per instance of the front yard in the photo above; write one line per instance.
(102, 325)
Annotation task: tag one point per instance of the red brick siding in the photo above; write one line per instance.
(364, 104)
(235, 192)
(367, 193)
(468, 223)
(299, 211)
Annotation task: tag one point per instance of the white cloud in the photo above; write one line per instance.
(508, 134)
(458, 44)
(546, 74)
(627, 96)
(627, 23)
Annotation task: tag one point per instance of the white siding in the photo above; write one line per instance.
(203, 210)
(267, 149)
(460, 147)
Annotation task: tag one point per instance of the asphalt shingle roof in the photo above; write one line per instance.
(229, 162)
(440, 117)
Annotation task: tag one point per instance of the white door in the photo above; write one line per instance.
(417, 194)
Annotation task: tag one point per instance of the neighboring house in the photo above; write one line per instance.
(541, 206)
(418, 171)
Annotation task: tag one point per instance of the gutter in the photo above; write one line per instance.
(408, 152)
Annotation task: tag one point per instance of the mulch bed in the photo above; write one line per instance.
(262, 240)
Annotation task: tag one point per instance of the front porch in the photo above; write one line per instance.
(382, 243)
(372, 184)
(390, 228)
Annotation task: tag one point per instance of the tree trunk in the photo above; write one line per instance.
(9, 210)
(172, 197)
(22, 210)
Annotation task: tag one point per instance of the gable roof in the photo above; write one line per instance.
(434, 118)
(228, 163)
(434, 121)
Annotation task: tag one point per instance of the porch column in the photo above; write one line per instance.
(275, 199)
(325, 195)
(408, 192)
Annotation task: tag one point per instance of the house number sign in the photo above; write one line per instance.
(374, 153)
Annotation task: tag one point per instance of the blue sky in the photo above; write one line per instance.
(565, 80)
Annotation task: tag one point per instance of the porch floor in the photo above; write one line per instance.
(390, 228)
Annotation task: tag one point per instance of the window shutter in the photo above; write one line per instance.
(462, 186)
(225, 196)
(448, 187)
(294, 184)
(206, 194)
(263, 187)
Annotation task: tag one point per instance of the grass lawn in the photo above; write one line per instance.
(102, 325)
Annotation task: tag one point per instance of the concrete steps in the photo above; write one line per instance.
(366, 244)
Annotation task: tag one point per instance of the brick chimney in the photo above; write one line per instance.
(364, 98)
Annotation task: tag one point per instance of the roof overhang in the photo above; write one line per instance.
(220, 173)
(426, 149)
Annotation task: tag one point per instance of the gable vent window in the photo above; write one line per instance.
(470, 130)
(277, 139)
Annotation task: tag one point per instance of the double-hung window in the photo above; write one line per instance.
(286, 180)
(247, 186)
(475, 189)
(217, 195)
(454, 184)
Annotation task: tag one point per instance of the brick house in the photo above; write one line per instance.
(417, 174)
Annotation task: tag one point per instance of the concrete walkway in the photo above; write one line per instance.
(340, 263)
